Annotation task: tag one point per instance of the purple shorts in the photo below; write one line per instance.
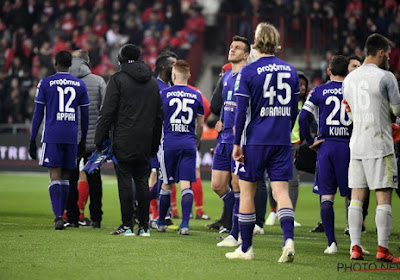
(333, 160)
(222, 159)
(276, 160)
(178, 165)
(58, 155)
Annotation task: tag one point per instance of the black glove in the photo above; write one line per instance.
(81, 149)
(99, 147)
(33, 150)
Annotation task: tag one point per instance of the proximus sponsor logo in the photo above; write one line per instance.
(64, 82)
(273, 67)
(182, 94)
(332, 91)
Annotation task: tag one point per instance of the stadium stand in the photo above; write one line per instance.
(31, 32)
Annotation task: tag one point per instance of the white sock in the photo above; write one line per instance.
(355, 221)
(383, 221)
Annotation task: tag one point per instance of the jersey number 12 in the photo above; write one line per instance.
(61, 93)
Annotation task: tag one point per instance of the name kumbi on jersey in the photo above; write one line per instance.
(273, 68)
(339, 131)
(62, 82)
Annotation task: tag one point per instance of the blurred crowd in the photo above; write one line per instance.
(33, 31)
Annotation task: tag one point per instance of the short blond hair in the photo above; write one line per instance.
(266, 38)
(182, 68)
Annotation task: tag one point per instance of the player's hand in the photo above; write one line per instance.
(237, 154)
(348, 109)
(218, 126)
(395, 133)
(317, 144)
(33, 150)
(81, 149)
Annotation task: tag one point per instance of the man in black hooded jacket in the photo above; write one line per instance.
(132, 107)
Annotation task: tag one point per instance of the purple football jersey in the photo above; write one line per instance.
(161, 84)
(228, 107)
(62, 94)
(325, 102)
(181, 106)
(271, 90)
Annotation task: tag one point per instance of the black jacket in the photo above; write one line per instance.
(216, 98)
(132, 106)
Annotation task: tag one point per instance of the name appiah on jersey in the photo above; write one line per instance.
(66, 117)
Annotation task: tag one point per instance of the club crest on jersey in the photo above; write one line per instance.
(37, 89)
(237, 83)
(229, 97)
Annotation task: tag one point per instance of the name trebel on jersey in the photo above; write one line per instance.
(181, 94)
(180, 127)
(64, 82)
(275, 111)
(273, 68)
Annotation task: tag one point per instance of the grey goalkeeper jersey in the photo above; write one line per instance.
(370, 91)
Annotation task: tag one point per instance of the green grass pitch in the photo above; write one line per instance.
(31, 249)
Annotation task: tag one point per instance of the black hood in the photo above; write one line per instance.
(303, 76)
(138, 70)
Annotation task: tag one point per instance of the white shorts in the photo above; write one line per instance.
(377, 173)
(198, 159)
(81, 164)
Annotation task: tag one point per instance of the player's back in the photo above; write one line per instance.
(272, 85)
(181, 106)
(333, 120)
(367, 91)
(62, 94)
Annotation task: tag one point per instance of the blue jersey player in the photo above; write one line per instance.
(334, 127)
(163, 71)
(267, 93)
(59, 96)
(182, 130)
(223, 164)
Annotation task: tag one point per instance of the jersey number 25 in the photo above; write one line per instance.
(181, 106)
